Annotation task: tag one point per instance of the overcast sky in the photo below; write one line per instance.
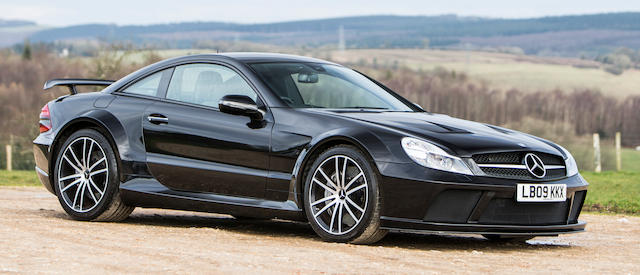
(122, 12)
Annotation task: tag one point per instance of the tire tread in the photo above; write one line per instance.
(116, 209)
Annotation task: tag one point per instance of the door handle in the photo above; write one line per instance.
(158, 119)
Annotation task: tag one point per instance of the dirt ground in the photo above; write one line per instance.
(36, 236)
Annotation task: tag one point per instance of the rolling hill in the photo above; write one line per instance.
(558, 35)
(15, 31)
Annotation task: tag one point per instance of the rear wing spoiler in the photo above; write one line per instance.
(71, 83)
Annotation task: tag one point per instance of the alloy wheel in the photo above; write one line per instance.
(338, 194)
(83, 174)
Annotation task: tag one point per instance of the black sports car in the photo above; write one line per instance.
(280, 136)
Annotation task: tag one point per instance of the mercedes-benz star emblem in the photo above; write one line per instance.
(535, 165)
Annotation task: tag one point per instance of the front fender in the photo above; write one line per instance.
(367, 141)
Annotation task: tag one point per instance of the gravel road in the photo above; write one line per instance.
(36, 236)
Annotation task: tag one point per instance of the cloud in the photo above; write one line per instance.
(31, 12)
(70, 12)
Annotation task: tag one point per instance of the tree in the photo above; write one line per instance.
(26, 51)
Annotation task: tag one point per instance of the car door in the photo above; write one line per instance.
(128, 106)
(192, 146)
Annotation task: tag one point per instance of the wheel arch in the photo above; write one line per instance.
(99, 120)
(373, 149)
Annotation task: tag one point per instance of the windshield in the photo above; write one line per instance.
(311, 85)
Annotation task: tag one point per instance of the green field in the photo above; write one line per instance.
(19, 178)
(584, 156)
(610, 192)
(503, 71)
(630, 160)
(615, 192)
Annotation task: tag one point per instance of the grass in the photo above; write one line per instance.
(630, 160)
(613, 192)
(506, 71)
(19, 178)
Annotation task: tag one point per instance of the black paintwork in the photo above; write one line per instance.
(72, 83)
(206, 160)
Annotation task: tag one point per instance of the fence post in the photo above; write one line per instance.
(8, 147)
(618, 152)
(596, 153)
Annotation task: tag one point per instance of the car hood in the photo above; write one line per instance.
(463, 137)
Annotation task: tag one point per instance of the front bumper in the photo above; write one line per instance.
(455, 203)
(419, 226)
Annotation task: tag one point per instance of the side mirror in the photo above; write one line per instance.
(241, 105)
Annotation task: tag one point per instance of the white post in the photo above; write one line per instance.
(596, 153)
(9, 168)
(618, 152)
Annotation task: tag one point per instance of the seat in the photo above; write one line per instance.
(208, 88)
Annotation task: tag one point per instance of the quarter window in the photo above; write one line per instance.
(147, 86)
(206, 84)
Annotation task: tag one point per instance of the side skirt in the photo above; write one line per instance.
(149, 193)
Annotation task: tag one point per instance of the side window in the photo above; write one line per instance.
(147, 86)
(206, 84)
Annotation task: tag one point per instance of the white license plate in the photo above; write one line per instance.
(541, 192)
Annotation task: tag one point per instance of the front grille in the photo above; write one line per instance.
(499, 158)
(508, 211)
(507, 173)
(517, 159)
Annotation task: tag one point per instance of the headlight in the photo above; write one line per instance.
(570, 162)
(432, 156)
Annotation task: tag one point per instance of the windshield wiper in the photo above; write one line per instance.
(313, 106)
(365, 107)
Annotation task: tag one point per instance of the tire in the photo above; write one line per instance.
(345, 209)
(87, 183)
(507, 238)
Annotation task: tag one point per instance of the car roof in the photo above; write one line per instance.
(256, 57)
(237, 57)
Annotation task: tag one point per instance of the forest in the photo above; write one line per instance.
(569, 117)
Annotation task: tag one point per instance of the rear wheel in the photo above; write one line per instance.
(86, 178)
(342, 200)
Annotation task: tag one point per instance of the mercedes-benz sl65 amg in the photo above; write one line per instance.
(290, 137)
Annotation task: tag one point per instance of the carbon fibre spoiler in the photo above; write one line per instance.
(71, 83)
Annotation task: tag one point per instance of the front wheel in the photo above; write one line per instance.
(342, 199)
(86, 178)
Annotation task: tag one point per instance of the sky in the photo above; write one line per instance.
(142, 12)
